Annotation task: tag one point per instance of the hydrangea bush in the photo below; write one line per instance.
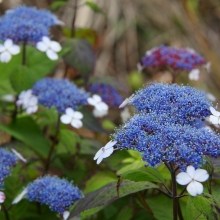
(56, 117)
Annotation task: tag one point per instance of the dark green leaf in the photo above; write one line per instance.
(57, 4)
(90, 146)
(22, 78)
(204, 205)
(81, 57)
(94, 7)
(26, 130)
(126, 213)
(97, 200)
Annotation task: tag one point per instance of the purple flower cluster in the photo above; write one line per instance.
(26, 24)
(175, 58)
(164, 129)
(183, 104)
(108, 94)
(7, 161)
(58, 194)
(158, 139)
(59, 93)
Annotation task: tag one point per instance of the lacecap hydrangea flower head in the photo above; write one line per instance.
(58, 194)
(176, 58)
(59, 93)
(108, 94)
(183, 104)
(26, 24)
(7, 161)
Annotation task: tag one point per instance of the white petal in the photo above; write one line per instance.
(140, 67)
(2, 197)
(2, 48)
(65, 119)
(46, 40)
(20, 196)
(33, 100)
(190, 171)
(34, 108)
(41, 46)
(66, 215)
(124, 103)
(213, 119)
(70, 112)
(195, 188)
(76, 123)
(19, 155)
(201, 175)
(5, 57)
(108, 152)
(77, 115)
(183, 178)
(100, 151)
(100, 159)
(55, 46)
(110, 144)
(15, 49)
(97, 98)
(8, 43)
(214, 112)
(51, 54)
(91, 101)
(99, 114)
(101, 106)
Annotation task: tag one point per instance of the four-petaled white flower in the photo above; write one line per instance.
(7, 50)
(50, 47)
(28, 101)
(105, 151)
(192, 178)
(66, 215)
(2, 197)
(19, 155)
(101, 108)
(194, 74)
(20, 196)
(72, 117)
(215, 117)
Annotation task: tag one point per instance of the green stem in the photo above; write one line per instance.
(6, 212)
(54, 142)
(143, 202)
(74, 18)
(24, 53)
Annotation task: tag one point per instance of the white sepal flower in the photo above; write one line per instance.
(211, 97)
(125, 114)
(192, 178)
(140, 67)
(50, 47)
(194, 74)
(215, 117)
(32, 106)
(126, 101)
(2, 197)
(66, 215)
(20, 196)
(72, 117)
(19, 155)
(105, 151)
(7, 50)
(101, 108)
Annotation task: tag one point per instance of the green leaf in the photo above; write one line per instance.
(56, 5)
(22, 78)
(94, 7)
(68, 141)
(143, 174)
(131, 166)
(98, 180)
(26, 130)
(97, 200)
(87, 34)
(89, 146)
(126, 213)
(81, 57)
(205, 205)
(6, 88)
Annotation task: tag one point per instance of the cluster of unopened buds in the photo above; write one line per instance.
(28, 101)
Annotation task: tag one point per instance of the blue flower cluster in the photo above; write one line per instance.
(7, 161)
(183, 104)
(164, 129)
(26, 24)
(108, 94)
(59, 93)
(58, 194)
(158, 139)
(176, 58)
